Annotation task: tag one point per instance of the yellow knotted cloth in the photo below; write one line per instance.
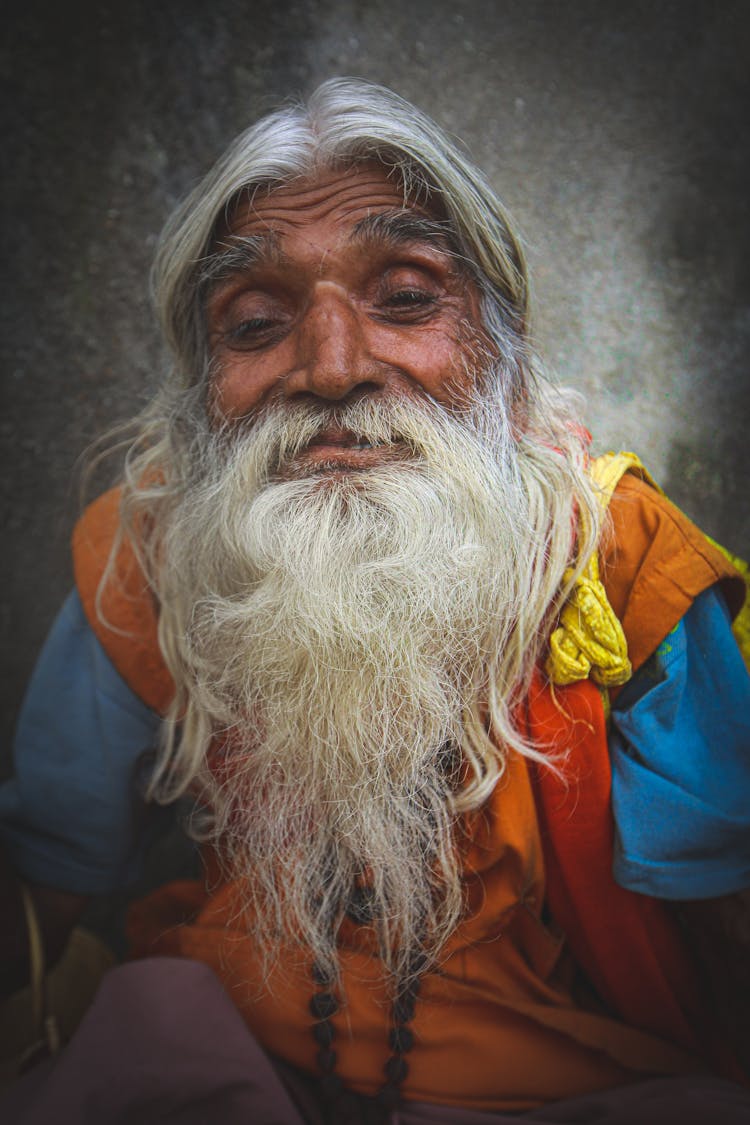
(589, 640)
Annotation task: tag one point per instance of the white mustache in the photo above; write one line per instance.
(285, 431)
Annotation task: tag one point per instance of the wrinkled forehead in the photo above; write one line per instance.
(335, 197)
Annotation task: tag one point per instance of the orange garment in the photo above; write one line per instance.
(499, 1025)
(124, 616)
(654, 564)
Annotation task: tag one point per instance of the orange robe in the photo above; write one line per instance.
(505, 1022)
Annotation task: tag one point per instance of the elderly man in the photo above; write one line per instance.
(458, 706)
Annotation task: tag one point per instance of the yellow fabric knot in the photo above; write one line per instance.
(589, 640)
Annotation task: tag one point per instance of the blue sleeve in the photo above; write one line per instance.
(73, 816)
(680, 747)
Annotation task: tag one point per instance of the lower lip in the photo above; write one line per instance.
(345, 457)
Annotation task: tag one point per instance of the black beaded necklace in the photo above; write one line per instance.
(324, 1004)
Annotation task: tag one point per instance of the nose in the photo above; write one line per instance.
(333, 357)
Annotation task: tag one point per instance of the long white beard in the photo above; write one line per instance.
(337, 635)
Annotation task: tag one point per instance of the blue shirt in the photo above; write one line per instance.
(680, 749)
(74, 816)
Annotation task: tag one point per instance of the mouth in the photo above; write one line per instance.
(334, 437)
(339, 450)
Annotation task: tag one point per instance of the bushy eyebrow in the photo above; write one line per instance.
(402, 227)
(238, 254)
(235, 255)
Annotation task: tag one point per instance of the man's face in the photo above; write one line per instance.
(343, 291)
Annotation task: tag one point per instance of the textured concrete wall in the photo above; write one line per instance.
(614, 132)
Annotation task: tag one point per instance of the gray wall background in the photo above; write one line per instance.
(615, 132)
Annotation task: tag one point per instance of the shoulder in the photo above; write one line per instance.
(655, 562)
(118, 602)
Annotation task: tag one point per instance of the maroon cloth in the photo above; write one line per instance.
(162, 1044)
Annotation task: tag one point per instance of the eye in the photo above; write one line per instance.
(409, 304)
(409, 298)
(254, 332)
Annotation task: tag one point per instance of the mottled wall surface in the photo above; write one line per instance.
(615, 132)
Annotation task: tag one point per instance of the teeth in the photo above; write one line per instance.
(362, 445)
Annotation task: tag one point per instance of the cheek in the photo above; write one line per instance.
(242, 384)
(451, 354)
(442, 365)
(234, 391)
